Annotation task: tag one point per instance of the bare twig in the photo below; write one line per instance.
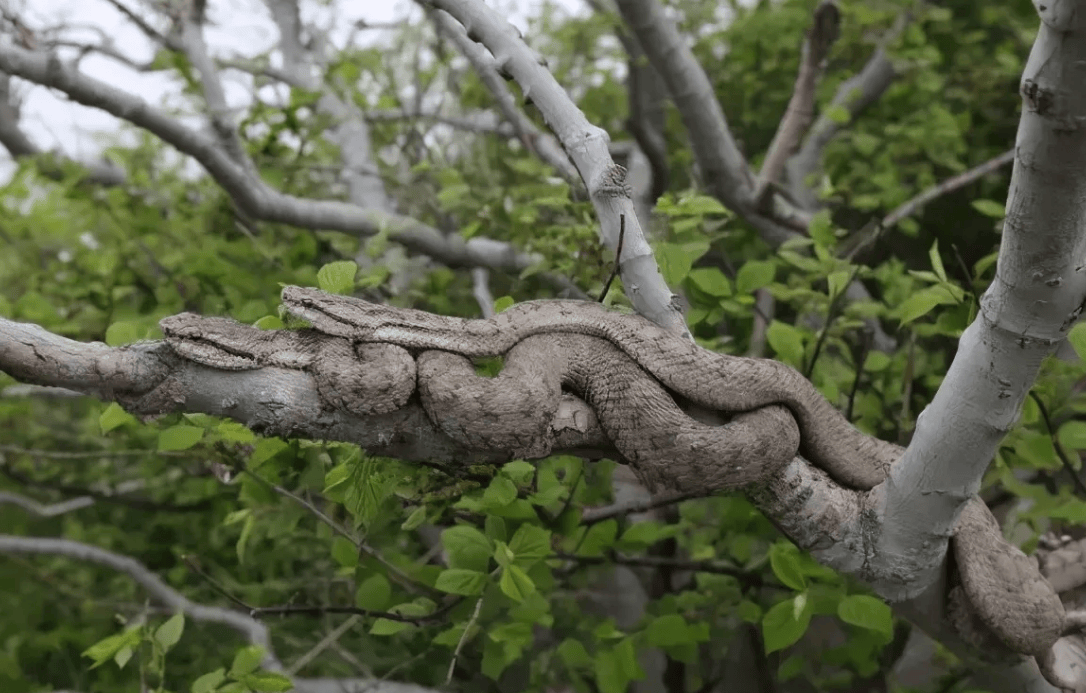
(254, 631)
(618, 258)
(872, 231)
(480, 288)
(463, 639)
(763, 315)
(325, 642)
(854, 95)
(51, 510)
(594, 515)
(947, 186)
(1060, 452)
(824, 30)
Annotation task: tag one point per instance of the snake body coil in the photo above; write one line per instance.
(604, 357)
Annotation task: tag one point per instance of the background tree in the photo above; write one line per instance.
(841, 210)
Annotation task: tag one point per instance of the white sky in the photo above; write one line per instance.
(235, 26)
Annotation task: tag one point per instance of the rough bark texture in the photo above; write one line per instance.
(631, 373)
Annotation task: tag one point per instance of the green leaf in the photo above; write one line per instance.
(674, 262)
(105, 649)
(573, 654)
(990, 208)
(530, 544)
(702, 205)
(246, 660)
(415, 519)
(169, 633)
(113, 417)
(384, 626)
(519, 471)
(1077, 337)
(867, 612)
(124, 332)
(821, 230)
(642, 535)
(344, 552)
(786, 341)
(754, 275)
(501, 491)
(123, 656)
(749, 611)
(1072, 435)
(337, 277)
(781, 628)
(515, 583)
(711, 281)
(496, 528)
(921, 302)
(373, 593)
(503, 303)
(461, 581)
(179, 437)
(467, 548)
(937, 261)
(838, 114)
(209, 682)
(265, 449)
(786, 566)
(267, 682)
(838, 282)
(599, 538)
(668, 630)
(234, 432)
(609, 677)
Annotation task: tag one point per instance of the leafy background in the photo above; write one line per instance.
(503, 552)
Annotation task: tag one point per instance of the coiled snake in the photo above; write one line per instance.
(620, 365)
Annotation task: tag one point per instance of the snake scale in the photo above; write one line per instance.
(630, 371)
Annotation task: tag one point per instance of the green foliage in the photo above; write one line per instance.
(512, 584)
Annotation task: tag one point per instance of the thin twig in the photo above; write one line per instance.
(967, 275)
(947, 186)
(403, 578)
(831, 315)
(594, 515)
(658, 562)
(874, 229)
(463, 639)
(194, 566)
(865, 349)
(480, 282)
(261, 612)
(325, 642)
(1079, 485)
(618, 256)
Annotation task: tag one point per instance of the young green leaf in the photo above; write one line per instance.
(169, 633)
(337, 277)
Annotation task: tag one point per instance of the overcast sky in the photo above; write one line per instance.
(235, 26)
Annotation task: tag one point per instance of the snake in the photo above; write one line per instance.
(634, 374)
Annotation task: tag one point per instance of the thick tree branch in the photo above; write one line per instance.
(724, 169)
(255, 632)
(255, 197)
(854, 95)
(41, 510)
(586, 145)
(20, 145)
(543, 144)
(825, 28)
